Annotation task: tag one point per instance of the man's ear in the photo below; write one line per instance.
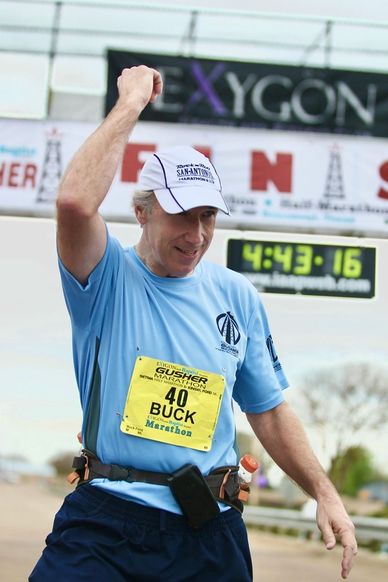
(141, 214)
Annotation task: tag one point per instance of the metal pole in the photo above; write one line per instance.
(55, 28)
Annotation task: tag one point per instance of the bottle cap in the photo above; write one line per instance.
(249, 463)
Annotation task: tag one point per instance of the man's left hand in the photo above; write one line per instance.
(335, 524)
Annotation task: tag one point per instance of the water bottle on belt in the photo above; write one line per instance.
(247, 466)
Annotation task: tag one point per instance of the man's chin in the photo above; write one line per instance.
(182, 270)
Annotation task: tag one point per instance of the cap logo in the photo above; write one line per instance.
(186, 172)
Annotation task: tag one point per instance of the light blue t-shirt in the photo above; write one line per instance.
(212, 320)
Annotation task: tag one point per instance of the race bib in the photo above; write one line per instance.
(173, 404)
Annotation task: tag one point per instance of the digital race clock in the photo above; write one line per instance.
(306, 268)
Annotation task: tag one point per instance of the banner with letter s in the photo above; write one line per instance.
(271, 179)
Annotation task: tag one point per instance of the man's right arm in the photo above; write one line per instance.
(81, 233)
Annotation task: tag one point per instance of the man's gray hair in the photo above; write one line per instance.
(144, 198)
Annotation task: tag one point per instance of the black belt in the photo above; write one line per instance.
(223, 482)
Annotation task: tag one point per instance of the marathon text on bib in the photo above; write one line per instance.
(173, 404)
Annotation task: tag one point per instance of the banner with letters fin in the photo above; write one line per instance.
(320, 183)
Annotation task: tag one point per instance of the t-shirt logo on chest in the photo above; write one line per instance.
(229, 330)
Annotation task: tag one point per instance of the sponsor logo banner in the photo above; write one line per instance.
(265, 96)
(299, 181)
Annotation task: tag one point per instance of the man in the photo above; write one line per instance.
(162, 342)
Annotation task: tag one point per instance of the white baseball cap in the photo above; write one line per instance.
(182, 178)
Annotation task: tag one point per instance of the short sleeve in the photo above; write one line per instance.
(83, 301)
(261, 379)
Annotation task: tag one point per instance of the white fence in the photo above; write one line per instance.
(367, 528)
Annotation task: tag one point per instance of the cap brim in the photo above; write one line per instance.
(177, 200)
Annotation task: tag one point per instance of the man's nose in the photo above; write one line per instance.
(195, 231)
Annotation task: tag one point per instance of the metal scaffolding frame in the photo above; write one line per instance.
(80, 32)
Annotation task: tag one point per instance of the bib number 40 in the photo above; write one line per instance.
(181, 398)
(177, 401)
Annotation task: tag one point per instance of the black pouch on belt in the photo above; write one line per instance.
(193, 495)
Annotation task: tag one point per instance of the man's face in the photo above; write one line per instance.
(173, 244)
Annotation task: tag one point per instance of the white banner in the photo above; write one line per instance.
(271, 179)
